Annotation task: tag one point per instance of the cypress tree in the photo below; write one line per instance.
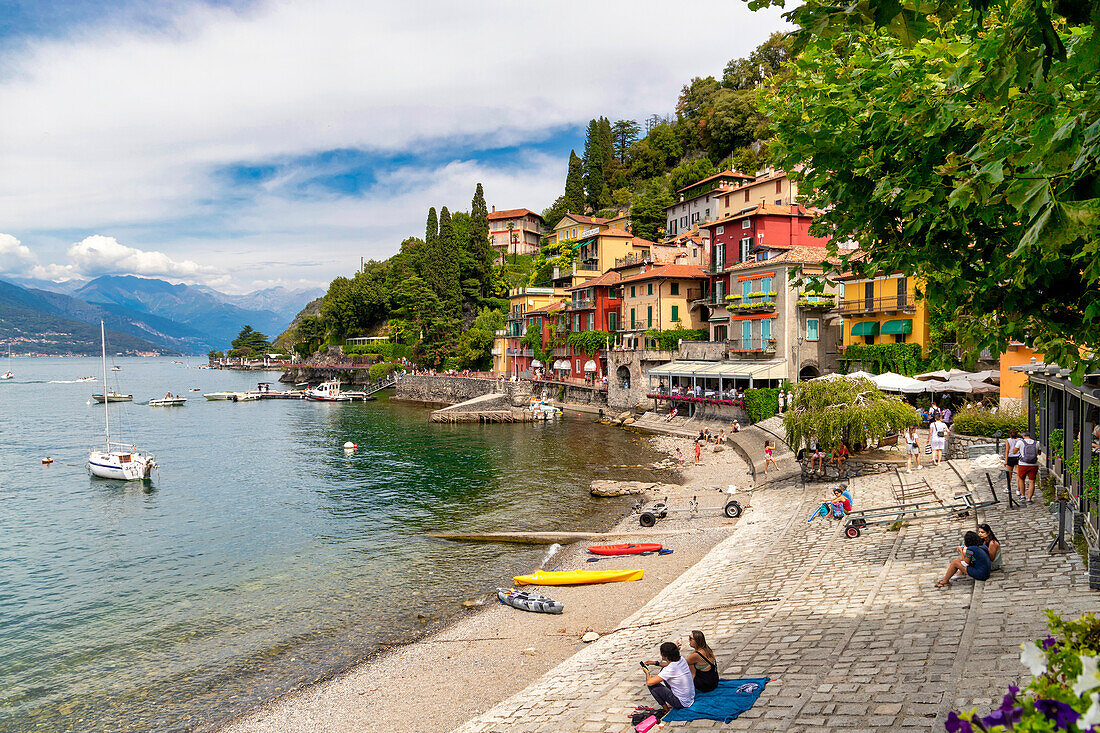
(449, 254)
(593, 166)
(574, 186)
(432, 228)
(481, 251)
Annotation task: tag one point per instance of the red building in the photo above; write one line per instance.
(595, 306)
(756, 234)
(539, 321)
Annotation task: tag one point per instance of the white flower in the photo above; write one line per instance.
(1092, 716)
(1033, 658)
(1090, 675)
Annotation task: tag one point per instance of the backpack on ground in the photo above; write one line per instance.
(1029, 453)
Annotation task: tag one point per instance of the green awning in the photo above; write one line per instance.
(866, 328)
(904, 325)
(723, 319)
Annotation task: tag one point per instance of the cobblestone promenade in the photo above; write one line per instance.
(852, 631)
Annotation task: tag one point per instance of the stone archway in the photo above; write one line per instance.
(808, 372)
(622, 374)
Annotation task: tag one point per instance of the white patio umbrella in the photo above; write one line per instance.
(952, 385)
(893, 382)
(590, 366)
(536, 363)
(942, 375)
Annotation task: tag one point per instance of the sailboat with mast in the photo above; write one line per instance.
(118, 461)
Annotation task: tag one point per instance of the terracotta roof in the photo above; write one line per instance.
(608, 278)
(511, 214)
(668, 271)
(548, 308)
(581, 219)
(765, 210)
(799, 255)
(723, 174)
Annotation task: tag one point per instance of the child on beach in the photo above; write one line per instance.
(769, 447)
(698, 451)
(679, 457)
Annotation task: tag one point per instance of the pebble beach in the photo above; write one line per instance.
(455, 673)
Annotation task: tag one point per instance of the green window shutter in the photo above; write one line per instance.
(675, 313)
(633, 322)
(766, 329)
(649, 316)
(675, 288)
(649, 289)
(632, 293)
(812, 329)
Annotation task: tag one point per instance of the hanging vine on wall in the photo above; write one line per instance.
(588, 342)
(901, 358)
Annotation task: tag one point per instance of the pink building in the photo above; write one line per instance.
(515, 231)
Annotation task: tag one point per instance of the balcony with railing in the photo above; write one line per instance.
(889, 304)
(580, 304)
(520, 352)
(632, 259)
(811, 302)
(746, 346)
(753, 303)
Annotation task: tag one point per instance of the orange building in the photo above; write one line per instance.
(1013, 383)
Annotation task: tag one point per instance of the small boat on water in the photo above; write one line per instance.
(168, 401)
(526, 601)
(113, 397)
(116, 368)
(632, 549)
(245, 396)
(219, 395)
(86, 379)
(577, 577)
(544, 410)
(117, 461)
(327, 392)
(8, 374)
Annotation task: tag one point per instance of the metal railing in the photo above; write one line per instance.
(582, 304)
(876, 305)
(751, 344)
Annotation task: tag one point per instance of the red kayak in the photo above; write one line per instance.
(625, 549)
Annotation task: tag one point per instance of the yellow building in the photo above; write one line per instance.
(661, 298)
(882, 310)
(506, 346)
(601, 251)
(576, 226)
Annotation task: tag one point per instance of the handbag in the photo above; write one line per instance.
(928, 449)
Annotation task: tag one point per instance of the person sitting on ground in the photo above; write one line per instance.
(912, 448)
(671, 414)
(973, 560)
(769, 448)
(721, 437)
(701, 662)
(817, 455)
(701, 437)
(672, 688)
(841, 503)
(736, 427)
(992, 546)
(840, 454)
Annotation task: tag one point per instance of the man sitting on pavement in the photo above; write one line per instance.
(672, 687)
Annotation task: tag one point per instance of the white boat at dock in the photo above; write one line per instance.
(117, 461)
(327, 392)
(544, 410)
(219, 395)
(113, 397)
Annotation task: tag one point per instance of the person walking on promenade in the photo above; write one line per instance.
(769, 447)
(937, 438)
(790, 400)
(1028, 468)
(698, 451)
(672, 687)
(912, 448)
(1012, 459)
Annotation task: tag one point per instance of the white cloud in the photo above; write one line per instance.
(15, 258)
(119, 128)
(99, 255)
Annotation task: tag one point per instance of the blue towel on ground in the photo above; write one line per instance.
(730, 699)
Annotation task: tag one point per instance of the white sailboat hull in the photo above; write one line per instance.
(120, 466)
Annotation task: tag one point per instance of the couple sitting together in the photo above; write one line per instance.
(679, 678)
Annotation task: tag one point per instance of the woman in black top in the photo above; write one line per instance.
(704, 667)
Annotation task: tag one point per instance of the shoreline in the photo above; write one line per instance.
(452, 673)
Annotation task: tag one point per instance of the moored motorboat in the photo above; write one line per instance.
(525, 601)
(113, 397)
(245, 396)
(219, 395)
(631, 549)
(578, 577)
(168, 401)
(327, 392)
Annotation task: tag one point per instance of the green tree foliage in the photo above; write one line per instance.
(762, 403)
(250, 342)
(878, 358)
(665, 145)
(958, 142)
(431, 228)
(671, 338)
(594, 161)
(478, 244)
(574, 190)
(978, 420)
(648, 214)
(447, 268)
(851, 410)
(475, 344)
(552, 214)
(625, 134)
(689, 172)
(310, 331)
(589, 342)
(762, 64)
(559, 255)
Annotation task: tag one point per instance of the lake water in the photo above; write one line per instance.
(263, 555)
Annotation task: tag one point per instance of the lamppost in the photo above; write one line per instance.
(798, 358)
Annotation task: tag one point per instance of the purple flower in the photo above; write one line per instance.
(1006, 716)
(955, 724)
(1048, 642)
(1062, 714)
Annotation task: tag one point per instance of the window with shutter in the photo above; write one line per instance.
(812, 329)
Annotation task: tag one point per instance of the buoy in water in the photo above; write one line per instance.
(47, 461)
(350, 446)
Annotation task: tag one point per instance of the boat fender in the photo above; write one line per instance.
(47, 461)
(350, 446)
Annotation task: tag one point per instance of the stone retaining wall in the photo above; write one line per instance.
(851, 468)
(451, 390)
(957, 445)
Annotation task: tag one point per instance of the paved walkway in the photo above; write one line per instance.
(851, 631)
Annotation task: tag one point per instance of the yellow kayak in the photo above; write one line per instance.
(577, 577)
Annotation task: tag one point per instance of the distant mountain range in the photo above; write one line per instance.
(152, 315)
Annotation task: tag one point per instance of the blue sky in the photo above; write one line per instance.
(246, 144)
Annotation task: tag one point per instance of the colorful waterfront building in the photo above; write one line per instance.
(885, 309)
(546, 322)
(1014, 383)
(661, 297)
(515, 231)
(522, 301)
(595, 306)
(577, 226)
(770, 186)
(698, 204)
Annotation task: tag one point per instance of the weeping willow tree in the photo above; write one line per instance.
(835, 410)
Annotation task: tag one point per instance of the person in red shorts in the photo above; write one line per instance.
(1028, 467)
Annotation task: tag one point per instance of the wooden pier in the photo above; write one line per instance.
(485, 416)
